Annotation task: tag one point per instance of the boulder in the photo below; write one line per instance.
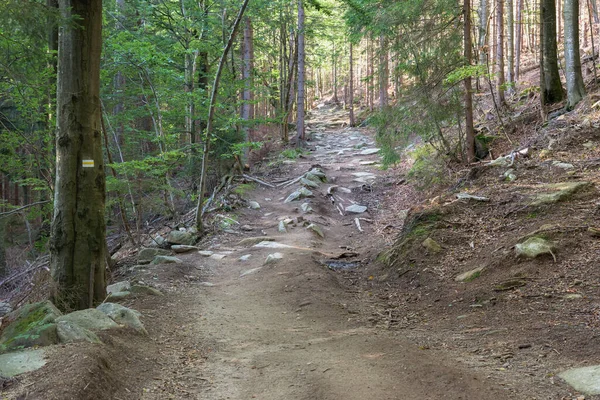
(182, 248)
(90, 319)
(5, 308)
(557, 192)
(179, 237)
(469, 275)
(68, 332)
(19, 362)
(122, 286)
(123, 316)
(30, 325)
(585, 379)
(146, 255)
(166, 260)
(432, 245)
(535, 246)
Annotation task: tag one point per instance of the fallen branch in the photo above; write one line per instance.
(357, 222)
(253, 179)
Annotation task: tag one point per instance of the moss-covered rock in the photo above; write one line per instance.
(534, 247)
(146, 255)
(30, 325)
(179, 237)
(553, 193)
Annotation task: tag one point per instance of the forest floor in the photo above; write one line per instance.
(328, 321)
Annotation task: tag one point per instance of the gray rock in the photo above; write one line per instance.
(5, 308)
(166, 260)
(218, 256)
(534, 247)
(510, 175)
(309, 183)
(246, 228)
(90, 319)
(158, 241)
(205, 253)
(318, 173)
(585, 379)
(30, 325)
(367, 162)
(272, 245)
(281, 228)
(557, 192)
(146, 255)
(356, 209)
(467, 196)
(178, 237)
(273, 258)
(141, 290)
(123, 316)
(122, 286)
(364, 175)
(19, 362)
(505, 161)
(250, 272)
(562, 165)
(299, 194)
(316, 229)
(207, 284)
(368, 152)
(119, 295)
(254, 205)
(182, 248)
(245, 257)
(432, 245)
(469, 275)
(68, 332)
(306, 208)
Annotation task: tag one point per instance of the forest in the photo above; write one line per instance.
(127, 123)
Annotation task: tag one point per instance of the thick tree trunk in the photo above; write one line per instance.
(301, 71)
(247, 95)
(483, 30)
(500, 52)
(351, 86)
(575, 86)
(550, 79)
(78, 245)
(469, 130)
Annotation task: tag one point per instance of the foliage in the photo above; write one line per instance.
(427, 169)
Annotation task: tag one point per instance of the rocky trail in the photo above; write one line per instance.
(274, 307)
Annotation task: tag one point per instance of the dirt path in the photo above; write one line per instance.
(289, 330)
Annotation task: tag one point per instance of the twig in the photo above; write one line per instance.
(357, 222)
(253, 179)
(16, 210)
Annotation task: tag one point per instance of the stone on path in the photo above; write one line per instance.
(534, 247)
(250, 272)
(218, 256)
(91, 319)
(254, 240)
(166, 260)
(467, 196)
(69, 332)
(562, 165)
(368, 162)
(141, 289)
(316, 229)
(122, 286)
(584, 379)
(254, 205)
(299, 194)
(245, 257)
(356, 209)
(19, 362)
(363, 174)
(273, 245)
(146, 255)
(272, 258)
(281, 228)
(123, 316)
(182, 248)
(309, 183)
(432, 245)
(469, 275)
(557, 192)
(205, 253)
(368, 152)
(179, 237)
(306, 208)
(207, 284)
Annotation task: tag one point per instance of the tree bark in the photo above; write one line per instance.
(552, 91)
(469, 130)
(247, 95)
(575, 85)
(383, 73)
(351, 86)
(510, 31)
(519, 39)
(78, 237)
(483, 30)
(500, 52)
(301, 71)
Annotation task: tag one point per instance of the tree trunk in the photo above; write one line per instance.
(383, 73)
(469, 131)
(519, 38)
(351, 86)
(575, 86)
(510, 30)
(301, 70)
(78, 237)
(247, 95)
(483, 28)
(552, 91)
(334, 75)
(500, 52)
